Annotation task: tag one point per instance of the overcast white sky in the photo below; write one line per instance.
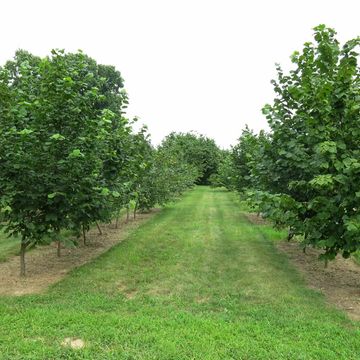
(201, 65)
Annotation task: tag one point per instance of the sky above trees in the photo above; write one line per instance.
(199, 65)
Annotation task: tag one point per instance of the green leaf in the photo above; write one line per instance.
(105, 191)
(322, 181)
(57, 137)
(116, 194)
(76, 153)
(25, 132)
(6, 209)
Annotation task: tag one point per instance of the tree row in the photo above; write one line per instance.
(69, 156)
(304, 173)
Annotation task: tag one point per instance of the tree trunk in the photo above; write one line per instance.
(290, 235)
(58, 252)
(99, 228)
(117, 219)
(127, 214)
(23, 247)
(84, 235)
(135, 208)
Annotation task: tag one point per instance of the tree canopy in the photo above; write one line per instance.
(196, 150)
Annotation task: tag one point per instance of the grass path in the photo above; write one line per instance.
(197, 281)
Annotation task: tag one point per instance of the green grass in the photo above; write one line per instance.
(8, 246)
(197, 281)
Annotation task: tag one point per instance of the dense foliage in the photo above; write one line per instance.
(196, 150)
(305, 173)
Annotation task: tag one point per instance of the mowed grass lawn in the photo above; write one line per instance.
(197, 281)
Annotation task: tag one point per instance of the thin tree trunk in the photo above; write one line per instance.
(117, 219)
(23, 247)
(127, 214)
(135, 208)
(58, 252)
(290, 234)
(84, 235)
(99, 228)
